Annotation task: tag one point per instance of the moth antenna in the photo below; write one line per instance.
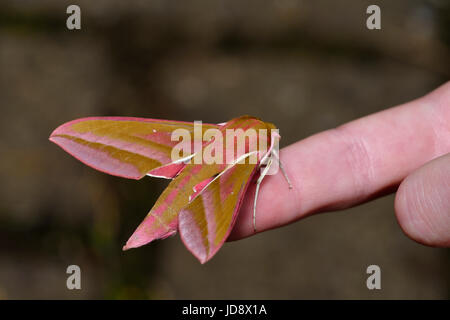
(282, 169)
(258, 182)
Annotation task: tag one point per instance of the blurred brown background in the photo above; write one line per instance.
(305, 65)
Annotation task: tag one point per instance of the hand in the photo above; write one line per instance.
(405, 147)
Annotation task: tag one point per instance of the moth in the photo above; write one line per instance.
(210, 169)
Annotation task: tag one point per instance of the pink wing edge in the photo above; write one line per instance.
(173, 169)
(243, 191)
(167, 171)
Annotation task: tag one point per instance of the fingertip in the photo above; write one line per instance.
(421, 204)
(408, 218)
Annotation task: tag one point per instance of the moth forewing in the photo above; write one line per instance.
(210, 176)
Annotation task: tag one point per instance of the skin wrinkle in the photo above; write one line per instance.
(440, 115)
(435, 118)
(435, 206)
(435, 181)
(421, 206)
(418, 199)
(445, 201)
(358, 159)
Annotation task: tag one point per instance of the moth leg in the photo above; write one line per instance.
(260, 179)
(275, 154)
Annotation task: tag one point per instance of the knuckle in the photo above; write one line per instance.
(358, 158)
